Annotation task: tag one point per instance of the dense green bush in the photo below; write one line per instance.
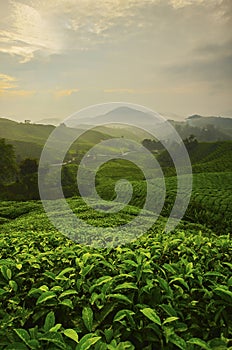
(164, 291)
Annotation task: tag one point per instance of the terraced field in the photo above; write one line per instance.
(211, 200)
(205, 157)
(165, 291)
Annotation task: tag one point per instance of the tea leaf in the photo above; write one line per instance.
(151, 315)
(87, 316)
(72, 334)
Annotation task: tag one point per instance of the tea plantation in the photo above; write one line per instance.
(211, 200)
(162, 291)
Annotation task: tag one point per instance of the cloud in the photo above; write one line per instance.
(7, 82)
(9, 87)
(209, 63)
(119, 90)
(32, 27)
(65, 92)
(37, 27)
(21, 93)
(176, 4)
(129, 91)
(182, 3)
(24, 30)
(214, 49)
(150, 51)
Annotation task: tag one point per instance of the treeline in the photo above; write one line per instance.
(152, 145)
(204, 133)
(19, 180)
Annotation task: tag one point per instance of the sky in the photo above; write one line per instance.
(58, 56)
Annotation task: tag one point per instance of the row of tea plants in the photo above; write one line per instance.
(164, 291)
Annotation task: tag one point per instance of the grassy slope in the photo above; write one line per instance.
(129, 132)
(24, 132)
(29, 139)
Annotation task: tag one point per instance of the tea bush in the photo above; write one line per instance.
(163, 291)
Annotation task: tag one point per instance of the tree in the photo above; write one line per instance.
(28, 166)
(152, 145)
(190, 142)
(29, 178)
(8, 166)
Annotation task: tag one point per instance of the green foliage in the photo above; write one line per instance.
(8, 168)
(28, 166)
(210, 204)
(205, 157)
(152, 145)
(163, 291)
(29, 139)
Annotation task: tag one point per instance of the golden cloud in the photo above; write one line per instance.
(8, 87)
(129, 91)
(7, 82)
(21, 93)
(65, 92)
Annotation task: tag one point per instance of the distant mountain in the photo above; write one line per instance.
(222, 124)
(123, 115)
(120, 122)
(207, 129)
(126, 115)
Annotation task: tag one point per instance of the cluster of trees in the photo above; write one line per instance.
(190, 142)
(152, 145)
(8, 166)
(207, 133)
(165, 159)
(17, 181)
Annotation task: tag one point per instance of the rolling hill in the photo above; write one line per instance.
(205, 156)
(29, 139)
(208, 129)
